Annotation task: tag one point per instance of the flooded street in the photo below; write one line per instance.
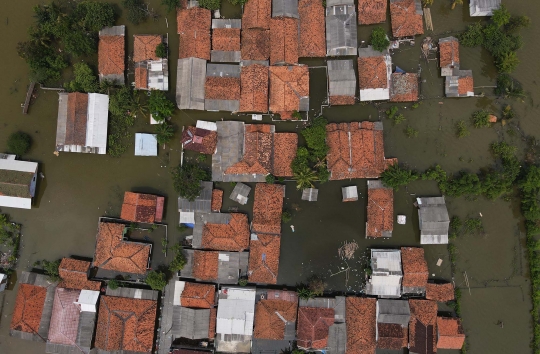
(78, 189)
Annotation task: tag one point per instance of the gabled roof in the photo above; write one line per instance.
(312, 41)
(111, 53)
(257, 14)
(144, 46)
(267, 208)
(65, 317)
(406, 17)
(313, 326)
(16, 178)
(255, 44)
(139, 207)
(113, 253)
(205, 265)
(422, 327)
(272, 316)
(449, 52)
(380, 210)
(190, 83)
(74, 274)
(371, 11)
(440, 292)
(289, 89)
(194, 30)
(372, 69)
(217, 200)
(285, 147)
(392, 336)
(254, 88)
(342, 82)
(415, 270)
(341, 30)
(232, 236)
(77, 118)
(126, 324)
(404, 87)
(223, 267)
(28, 308)
(450, 333)
(226, 39)
(195, 295)
(433, 220)
(264, 259)
(234, 325)
(361, 325)
(283, 40)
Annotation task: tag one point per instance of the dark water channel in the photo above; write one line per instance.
(78, 189)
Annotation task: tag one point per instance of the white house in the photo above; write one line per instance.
(434, 221)
(234, 327)
(17, 182)
(386, 276)
(483, 7)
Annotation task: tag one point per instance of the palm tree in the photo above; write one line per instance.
(139, 105)
(164, 132)
(305, 178)
(456, 2)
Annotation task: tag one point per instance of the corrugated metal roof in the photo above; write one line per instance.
(226, 23)
(337, 338)
(220, 56)
(202, 219)
(434, 220)
(341, 78)
(190, 323)
(393, 311)
(483, 7)
(285, 8)
(350, 193)
(310, 194)
(240, 193)
(236, 309)
(330, 3)
(202, 203)
(232, 266)
(222, 70)
(190, 83)
(146, 144)
(341, 31)
(113, 31)
(229, 149)
(98, 118)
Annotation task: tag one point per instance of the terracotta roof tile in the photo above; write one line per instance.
(139, 207)
(111, 55)
(465, 85)
(257, 14)
(449, 53)
(217, 200)
(205, 265)
(77, 117)
(226, 39)
(212, 325)
(415, 269)
(440, 292)
(371, 11)
(267, 208)
(283, 40)
(372, 73)
(233, 236)
(312, 42)
(258, 151)
(361, 156)
(380, 211)
(205, 145)
(144, 47)
(287, 85)
(450, 333)
(285, 146)
(361, 323)
(196, 295)
(113, 253)
(405, 21)
(254, 89)
(313, 327)
(194, 29)
(342, 100)
(74, 274)
(28, 308)
(270, 316)
(126, 324)
(141, 77)
(422, 326)
(255, 44)
(392, 336)
(404, 87)
(264, 260)
(65, 317)
(222, 88)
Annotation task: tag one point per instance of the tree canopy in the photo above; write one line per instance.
(379, 40)
(19, 143)
(187, 180)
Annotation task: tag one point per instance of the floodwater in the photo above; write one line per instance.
(78, 189)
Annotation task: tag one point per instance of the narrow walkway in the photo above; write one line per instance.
(28, 97)
(427, 16)
(165, 333)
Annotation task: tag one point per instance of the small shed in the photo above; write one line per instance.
(350, 194)
(483, 7)
(240, 193)
(146, 144)
(310, 194)
(434, 220)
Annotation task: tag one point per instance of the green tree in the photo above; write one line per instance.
(156, 280)
(508, 87)
(315, 136)
(187, 180)
(51, 269)
(79, 43)
(501, 16)
(516, 23)
(461, 129)
(503, 150)
(85, 79)
(160, 106)
(304, 178)
(473, 35)
(136, 11)
(238, 2)
(179, 261)
(286, 216)
(507, 62)
(379, 39)
(113, 284)
(210, 4)
(19, 143)
(171, 5)
(395, 176)
(411, 132)
(161, 50)
(270, 179)
(95, 15)
(164, 133)
(481, 119)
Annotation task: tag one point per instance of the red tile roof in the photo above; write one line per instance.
(267, 208)
(449, 53)
(65, 317)
(77, 117)
(139, 207)
(440, 292)
(392, 336)
(257, 14)
(264, 259)
(361, 156)
(371, 11)
(226, 39)
(126, 324)
(361, 323)
(422, 326)
(233, 236)
(111, 55)
(285, 147)
(222, 88)
(405, 21)
(283, 40)
(404, 87)
(217, 200)
(255, 44)
(194, 29)
(205, 265)
(254, 89)
(141, 77)
(342, 100)
(450, 333)
(144, 47)
(113, 253)
(270, 317)
(312, 41)
(287, 85)
(465, 85)
(74, 274)
(28, 308)
(372, 72)
(212, 326)
(415, 269)
(313, 327)
(380, 211)
(205, 145)
(196, 295)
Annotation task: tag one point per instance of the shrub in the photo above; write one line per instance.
(242, 281)
(136, 11)
(473, 35)
(316, 285)
(296, 115)
(473, 225)
(507, 62)
(398, 119)
(96, 15)
(379, 39)
(304, 178)
(461, 129)
(305, 293)
(179, 261)
(171, 5)
(391, 112)
(270, 179)
(411, 132)
(286, 216)
(19, 143)
(395, 176)
(161, 50)
(113, 284)
(503, 150)
(51, 269)
(156, 280)
(210, 4)
(85, 79)
(481, 119)
(187, 180)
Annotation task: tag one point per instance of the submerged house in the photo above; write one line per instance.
(112, 53)
(249, 152)
(200, 138)
(415, 270)
(380, 210)
(190, 83)
(193, 26)
(215, 266)
(483, 7)
(312, 39)
(202, 204)
(17, 182)
(146, 144)
(374, 73)
(356, 150)
(458, 83)
(151, 71)
(386, 276)
(139, 207)
(393, 318)
(341, 82)
(423, 327)
(222, 87)
(407, 18)
(289, 90)
(341, 28)
(226, 40)
(82, 122)
(284, 41)
(75, 274)
(450, 334)
(33, 307)
(235, 317)
(440, 292)
(361, 325)
(221, 232)
(433, 220)
(404, 87)
(371, 12)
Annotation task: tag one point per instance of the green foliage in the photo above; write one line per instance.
(286, 216)
(507, 87)
(296, 115)
(461, 129)
(516, 23)
(179, 261)
(210, 4)
(415, 105)
(379, 40)
(51, 269)
(113, 284)
(121, 119)
(480, 119)
(503, 150)
(435, 173)
(96, 15)
(171, 5)
(161, 50)
(201, 158)
(187, 180)
(315, 136)
(85, 80)
(19, 143)
(160, 106)
(156, 280)
(238, 2)
(270, 179)
(304, 293)
(507, 62)
(455, 226)
(395, 176)
(501, 16)
(508, 112)
(398, 119)
(316, 285)
(473, 35)
(136, 11)
(164, 133)
(411, 132)
(473, 225)
(243, 282)
(304, 178)
(391, 112)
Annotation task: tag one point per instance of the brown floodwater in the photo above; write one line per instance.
(78, 189)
